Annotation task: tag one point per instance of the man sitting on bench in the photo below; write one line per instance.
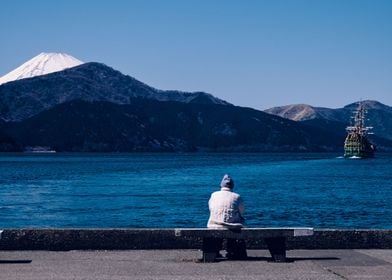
(226, 210)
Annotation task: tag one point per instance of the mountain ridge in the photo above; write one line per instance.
(379, 115)
(149, 125)
(90, 82)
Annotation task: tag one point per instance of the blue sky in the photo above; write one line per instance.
(251, 53)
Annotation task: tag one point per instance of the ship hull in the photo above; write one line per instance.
(357, 146)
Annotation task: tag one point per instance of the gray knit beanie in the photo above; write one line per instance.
(227, 182)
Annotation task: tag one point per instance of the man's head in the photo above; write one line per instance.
(227, 182)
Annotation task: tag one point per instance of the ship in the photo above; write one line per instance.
(357, 144)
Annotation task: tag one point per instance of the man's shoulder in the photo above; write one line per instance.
(226, 193)
(216, 193)
(236, 194)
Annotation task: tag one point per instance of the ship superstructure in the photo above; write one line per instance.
(357, 144)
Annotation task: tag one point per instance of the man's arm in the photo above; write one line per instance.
(241, 208)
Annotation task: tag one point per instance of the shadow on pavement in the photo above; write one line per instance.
(15, 261)
(295, 259)
(269, 259)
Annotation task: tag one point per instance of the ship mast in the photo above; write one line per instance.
(359, 122)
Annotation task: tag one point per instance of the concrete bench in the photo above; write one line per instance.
(275, 238)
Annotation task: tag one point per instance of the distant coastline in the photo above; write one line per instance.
(94, 108)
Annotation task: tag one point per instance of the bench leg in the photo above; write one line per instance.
(277, 248)
(211, 247)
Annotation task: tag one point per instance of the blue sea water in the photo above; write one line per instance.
(172, 190)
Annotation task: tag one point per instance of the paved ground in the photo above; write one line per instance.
(182, 264)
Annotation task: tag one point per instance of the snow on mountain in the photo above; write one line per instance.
(42, 64)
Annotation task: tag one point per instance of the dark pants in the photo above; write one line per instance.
(235, 248)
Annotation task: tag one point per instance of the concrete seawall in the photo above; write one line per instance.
(122, 239)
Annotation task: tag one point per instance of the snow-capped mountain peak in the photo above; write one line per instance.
(42, 64)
